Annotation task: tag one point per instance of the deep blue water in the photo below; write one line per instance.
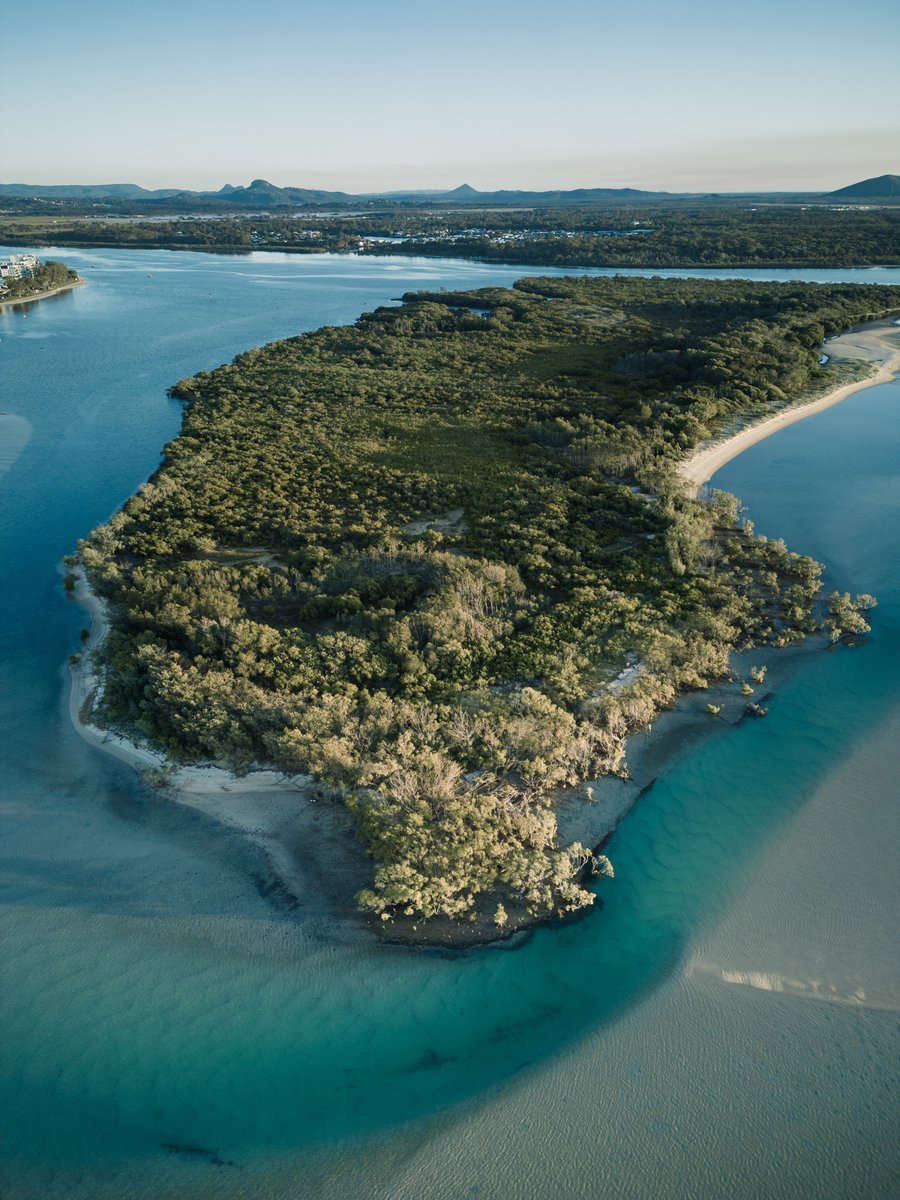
(156, 1003)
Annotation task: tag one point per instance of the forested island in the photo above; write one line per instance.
(675, 234)
(442, 561)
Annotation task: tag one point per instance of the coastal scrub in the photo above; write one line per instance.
(414, 558)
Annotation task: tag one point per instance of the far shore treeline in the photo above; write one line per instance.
(676, 234)
(413, 556)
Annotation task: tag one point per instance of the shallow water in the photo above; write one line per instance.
(169, 1033)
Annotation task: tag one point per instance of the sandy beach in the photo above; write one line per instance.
(67, 287)
(878, 343)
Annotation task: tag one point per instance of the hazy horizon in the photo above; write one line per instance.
(513, 95)
(697, 182)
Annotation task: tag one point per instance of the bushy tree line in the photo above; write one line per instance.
(674, 234)
(646, 235)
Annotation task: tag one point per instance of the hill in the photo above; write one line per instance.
(471, 196)
(86, 191)
(880, 188)
(264, 194)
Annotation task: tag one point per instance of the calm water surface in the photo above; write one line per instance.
(725, 1024)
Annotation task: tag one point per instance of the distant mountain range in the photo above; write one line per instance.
(260, 194)
(465, 194)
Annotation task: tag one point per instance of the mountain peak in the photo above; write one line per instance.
(880, 186)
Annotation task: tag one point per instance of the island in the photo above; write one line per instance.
(444, 561)
(24, 279)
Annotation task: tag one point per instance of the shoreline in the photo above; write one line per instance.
(872, 342)
(305, 848)
(66, 287)
(312, 862)
(445, 251)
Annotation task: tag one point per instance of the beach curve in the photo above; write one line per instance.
(877, 343)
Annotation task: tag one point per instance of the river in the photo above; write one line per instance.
(725, 1024)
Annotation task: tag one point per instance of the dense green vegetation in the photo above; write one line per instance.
(662, 236)
(413, 556)
(674, 234)
(230, 234)
(48, 276)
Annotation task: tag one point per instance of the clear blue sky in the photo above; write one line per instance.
(388, 93)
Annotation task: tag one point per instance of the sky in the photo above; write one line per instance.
(763, 95)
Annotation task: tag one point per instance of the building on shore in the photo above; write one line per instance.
(16, 267)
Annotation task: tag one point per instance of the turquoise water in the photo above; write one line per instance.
(167, 1032)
